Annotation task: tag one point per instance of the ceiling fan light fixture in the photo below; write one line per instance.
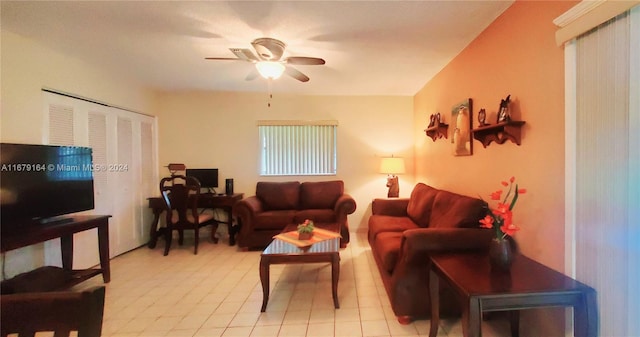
(270, 69)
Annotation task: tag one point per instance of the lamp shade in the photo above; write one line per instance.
(270, 69)
(392, 165)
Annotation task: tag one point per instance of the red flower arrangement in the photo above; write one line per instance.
(501, 218)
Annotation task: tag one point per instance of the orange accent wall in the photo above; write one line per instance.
(514, 55)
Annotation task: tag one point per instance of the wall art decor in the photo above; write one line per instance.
(482, 117)
(461, 128)
(503, 111)
(432, 121)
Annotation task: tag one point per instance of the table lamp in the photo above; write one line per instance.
(392, 166)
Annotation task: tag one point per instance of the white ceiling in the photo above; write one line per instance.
(371, 47)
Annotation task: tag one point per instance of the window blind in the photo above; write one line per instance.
(297, 148)
(604, 178)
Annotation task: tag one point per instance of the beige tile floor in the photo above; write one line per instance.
(218, 293)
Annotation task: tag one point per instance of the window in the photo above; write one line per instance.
(297, 147)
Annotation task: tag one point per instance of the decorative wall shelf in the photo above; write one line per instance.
(437, 131)
(499, 133)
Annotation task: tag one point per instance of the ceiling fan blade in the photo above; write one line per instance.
(223, 58)
(295, 73)
(244, 54)
(252, 75)
(301, 60)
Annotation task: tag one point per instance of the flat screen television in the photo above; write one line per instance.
(208, 177)
(41, 182)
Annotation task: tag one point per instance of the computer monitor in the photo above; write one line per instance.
(208, 177)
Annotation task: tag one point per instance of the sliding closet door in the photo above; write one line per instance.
(67, 119)
(148, 167)
(125, 187)
(124, 158)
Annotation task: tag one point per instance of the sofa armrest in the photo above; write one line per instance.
(418, 243)
(247, 207)
(390, 207)
(345, 205)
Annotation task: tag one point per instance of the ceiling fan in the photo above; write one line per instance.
(268, 60)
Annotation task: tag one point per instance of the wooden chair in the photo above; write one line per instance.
(60, 311)
(180, 195)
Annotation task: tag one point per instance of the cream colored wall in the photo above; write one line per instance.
(515, 55)
(218, 129)
(26, 68)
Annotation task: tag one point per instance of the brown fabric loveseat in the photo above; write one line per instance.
(283, 205)
(402, 234)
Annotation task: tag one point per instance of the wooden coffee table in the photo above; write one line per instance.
(528, 284)
(281, 252)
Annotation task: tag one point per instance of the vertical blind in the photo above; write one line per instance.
(607, 224)
(297, 148)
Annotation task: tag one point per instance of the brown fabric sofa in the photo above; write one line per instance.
(280, 206)
(403, 232)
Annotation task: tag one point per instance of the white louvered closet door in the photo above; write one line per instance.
(124, 155)
(126, 188)
(66, 119)
(147, 168)
(61, 124)
(98, 142)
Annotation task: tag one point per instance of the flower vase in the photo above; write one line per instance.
(500, 255)
(305, 236)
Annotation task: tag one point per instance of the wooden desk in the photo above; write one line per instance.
(529, 284)
(30, 234)
(206, 200)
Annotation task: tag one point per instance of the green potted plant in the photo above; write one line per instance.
(305, 230)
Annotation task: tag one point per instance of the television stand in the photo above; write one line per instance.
(55, 220)
(42, 278)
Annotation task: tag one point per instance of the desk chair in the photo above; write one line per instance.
(60, 311)
(180, 195)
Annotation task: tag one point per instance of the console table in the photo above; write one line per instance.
(528, 284)
(30, 234)
(206, 200)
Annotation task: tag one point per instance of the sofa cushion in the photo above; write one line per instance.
(321, 194)
(279, 195)
(384, 223)
(456, 211)
(387, 247)
(273, 219)
(317, 215)
(421, 203)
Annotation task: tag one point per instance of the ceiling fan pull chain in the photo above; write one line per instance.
(269, 84)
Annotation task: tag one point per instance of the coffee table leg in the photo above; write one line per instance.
(264, 279)
(434, 296)
(335, 275)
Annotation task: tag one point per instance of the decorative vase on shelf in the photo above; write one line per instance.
(500, 255)
(305, 235)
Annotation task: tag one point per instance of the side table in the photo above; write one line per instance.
(527, 285)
